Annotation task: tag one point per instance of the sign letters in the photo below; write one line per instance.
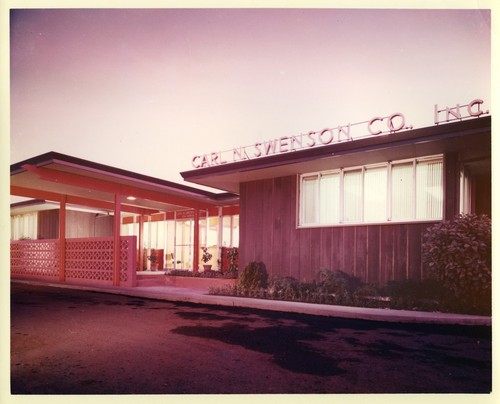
(374, 127)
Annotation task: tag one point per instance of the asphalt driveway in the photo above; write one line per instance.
(67, 341)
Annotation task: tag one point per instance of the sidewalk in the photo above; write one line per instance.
(201, 296)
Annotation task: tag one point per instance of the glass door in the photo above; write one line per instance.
(184, 230)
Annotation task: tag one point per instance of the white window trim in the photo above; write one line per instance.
(342, 170)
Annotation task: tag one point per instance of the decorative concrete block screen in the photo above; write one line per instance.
(91, 260)
(35, 259)
(87, 260)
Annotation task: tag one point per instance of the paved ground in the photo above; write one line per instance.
(78, 342)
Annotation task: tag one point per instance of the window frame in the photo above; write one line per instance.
(300, 211)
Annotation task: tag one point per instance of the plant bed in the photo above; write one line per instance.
(198, 282)
(339, 288)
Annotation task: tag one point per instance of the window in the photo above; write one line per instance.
(429, 189)
(24, 226)
(310, 199)
(230, 231)
(465, 191)
(395, 191)
(353, 185)
(329, 191)
(402, 191)
(375, 197)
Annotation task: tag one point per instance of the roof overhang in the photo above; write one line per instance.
(52, 176)
(471, 138)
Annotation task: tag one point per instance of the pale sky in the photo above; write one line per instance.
(146, 90)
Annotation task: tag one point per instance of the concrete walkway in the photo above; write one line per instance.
(201, 296)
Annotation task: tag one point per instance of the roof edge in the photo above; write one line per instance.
(475, 124)
(55, 157)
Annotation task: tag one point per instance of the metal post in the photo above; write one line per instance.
(62, 239)
(141, 243)
(196, 252)
(116, 244)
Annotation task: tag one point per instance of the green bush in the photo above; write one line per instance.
(232, 255)
(337, 286)
(253, 278)
(340, 288)
(284, 288)
(458, 254)
(331, 287)
(205, 274)
(427, 294)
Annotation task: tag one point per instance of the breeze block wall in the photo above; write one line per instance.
(87, 260)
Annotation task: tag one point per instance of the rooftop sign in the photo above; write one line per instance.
(346, 133)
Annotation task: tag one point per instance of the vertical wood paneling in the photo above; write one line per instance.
(337, 249)
(78, 224)
(400, 252)
(348, 250)
(277, 218)
(295, 240)
(373, 264)
(48, 224)
(360, 269)
(326, 248)
(386, 254)
(285, 223)
(268, 233)
(265, 225)
(305, 254)
(103, 226)
(414, 251)
(315, 265)
(255, 225)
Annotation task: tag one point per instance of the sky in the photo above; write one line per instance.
(146, 90)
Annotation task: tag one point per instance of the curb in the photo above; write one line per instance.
(200, 296)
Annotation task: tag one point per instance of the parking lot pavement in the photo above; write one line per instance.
(201, 296)
(71, 341)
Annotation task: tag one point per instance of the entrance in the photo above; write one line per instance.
(184, 236)
(475, 187)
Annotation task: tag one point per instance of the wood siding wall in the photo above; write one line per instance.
(268, 233)
(78, 224)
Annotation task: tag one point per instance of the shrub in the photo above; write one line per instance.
(204, 274)
(232, 255)
(458, 254)
(337, 286)
(253, 278)
(227, 290)
(285, 288)
(180, 272)
(427, 294)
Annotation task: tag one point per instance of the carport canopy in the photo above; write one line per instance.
(71, 181)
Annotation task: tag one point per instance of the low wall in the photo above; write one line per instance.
(87, 260)
(35, 259)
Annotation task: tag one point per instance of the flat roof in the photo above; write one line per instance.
(430, 140)
(48, 176)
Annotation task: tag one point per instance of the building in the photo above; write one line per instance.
(330, 200)
(90, 223)
(356, 198)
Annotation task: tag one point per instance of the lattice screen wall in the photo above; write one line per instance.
(87, 260)
(37, 258)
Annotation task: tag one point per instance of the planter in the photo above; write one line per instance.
(198, 283)
(207, 267)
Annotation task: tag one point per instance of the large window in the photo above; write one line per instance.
(397, 191)
(24, 226)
